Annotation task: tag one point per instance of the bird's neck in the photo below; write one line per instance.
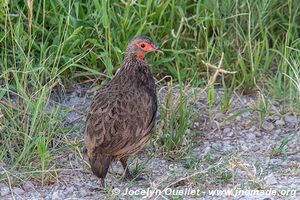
(134, 62)
(134, 71)
(134, 58)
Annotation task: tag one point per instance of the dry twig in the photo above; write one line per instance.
(217, 69)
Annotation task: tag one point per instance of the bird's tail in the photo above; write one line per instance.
(100, 164)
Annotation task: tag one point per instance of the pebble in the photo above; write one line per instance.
(277, 132)
(271, 179)
(226, 130)
(268, 126)
(185, 143)
(276, 118)
(206, 143)
(253, 128)
(36, 198)
(258, 133)
(83, 192)
(57, 195)
(18, 191)
(291, 119)
(27, 186)
(230, 134)
(216, 145)
(244, 148)
(280, 122)
(238, 128)
(251, 136)
(227, 148)
(4, 190)
(255, 147)
(70, 189)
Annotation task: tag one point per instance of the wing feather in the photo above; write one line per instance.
(117, 121)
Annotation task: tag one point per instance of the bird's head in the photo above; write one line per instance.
(139, 47)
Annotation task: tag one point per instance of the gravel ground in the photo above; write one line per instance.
(229, 152)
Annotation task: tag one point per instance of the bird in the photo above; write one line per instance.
(122, 113)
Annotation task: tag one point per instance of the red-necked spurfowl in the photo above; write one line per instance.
(123, 111)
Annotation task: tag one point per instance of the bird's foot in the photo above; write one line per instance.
(139, 178)
(100, 189)
(133, 176)
(128, 177)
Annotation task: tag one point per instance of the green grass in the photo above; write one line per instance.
(73, 40)
(176, 117)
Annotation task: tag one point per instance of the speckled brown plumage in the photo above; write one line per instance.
(122, 113)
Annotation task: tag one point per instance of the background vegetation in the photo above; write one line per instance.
(50, 44)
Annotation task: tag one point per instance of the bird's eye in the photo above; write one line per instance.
(143, 45)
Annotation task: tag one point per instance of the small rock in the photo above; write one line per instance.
(35, 196)
(206, 143)
(226, 130)
(28, 186)
(185, 143)
(268, 126)
(277, 132)
(276, 118)
(4, 190)
(83, 193)
(255, 147)
(226, 146)
(251, 136)
(270, 179)
(291, 119)
(238, 128)
(230, 134)
(70, 190)
(244, 148)
(252, 128)
(247, 121)
(57, 195)
(258, 133)
(216, 145)
(280, 122)
(18, 191)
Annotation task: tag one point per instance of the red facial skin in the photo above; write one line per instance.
(141, 56)
(148, 47)
(145, 46)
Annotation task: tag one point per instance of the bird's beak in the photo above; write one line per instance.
(158, 49)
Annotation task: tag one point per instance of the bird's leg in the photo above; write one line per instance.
(102, 182)
(124, 164)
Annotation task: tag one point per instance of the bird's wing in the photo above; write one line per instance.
(118, 121)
